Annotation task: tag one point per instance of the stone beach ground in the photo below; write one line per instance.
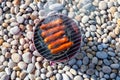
(99, 58)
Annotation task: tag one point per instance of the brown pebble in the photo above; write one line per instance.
(1, 42)
(113, 10)
(7, 45)
(112, 34)
(4, 25)
(18, 73)
(16, 2)
(8, 55)
(22, 27)
(16, 68)
(33, 17)
(52, 78)
(117, 30)
(118, 22)
(22, 75)
(36, 0)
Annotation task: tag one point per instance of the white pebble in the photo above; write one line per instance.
(27, 57)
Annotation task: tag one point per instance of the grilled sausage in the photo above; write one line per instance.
(54, 36)
(52, 30)
(57, 42)
(62, 47)
(51, 24)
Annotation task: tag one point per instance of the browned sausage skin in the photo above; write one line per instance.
(62, 47)
(51, 24)
(57, 42)
(54, 36)
(52, 30)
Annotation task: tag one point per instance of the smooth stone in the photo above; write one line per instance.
(115, 66)
(56, 6)
(15, 30)
(36, 53)
(112, 75)
(74, 72)
(72, 61)
(30, 35)
(112, 54)
(16, 57)
(22, 65)
(43, 70)
(58, 76)
(5, 77)
(95, 60)
(30, 68)
(20, 19)
(65, 77)
(85, 19)
(79, 63)
(90, 71)
(106, 62)
(66, 68)
(11, 64)
(8, 71)
(87, 34)
(49, 74)
(2, 58)
(92, 27)
(78, 77)
(69, 74)
(43, 76)
(75, 67)
(106, 69)
(27, 57)
(102, 5)
(102, 55)
(106, 76)
(118, 78)
(85, 60)
(13, 75)
(71, 14)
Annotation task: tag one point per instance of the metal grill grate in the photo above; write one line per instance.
(71, 31)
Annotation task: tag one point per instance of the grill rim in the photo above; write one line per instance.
(65, 58)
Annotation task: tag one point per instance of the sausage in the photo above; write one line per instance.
(62, 47)
(57, 42)
(54, 36)
(52, 30)
(51, 24)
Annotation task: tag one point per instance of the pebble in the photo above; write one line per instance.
(79, 63)
(90, 71)
(22, 75)
(102, 55)
(8, 71)
(69, 75)
(92, 27)
(85, 60)
(13, 75)
(27, 57)
(66, 68)
(112, 75)
(36, 53)
(15, 30)
(74, 72)
(22, 65)
(5, 77)
(30, 68)
(56, 6)
(43, 76)
(58, 76)
(49, 74)
(95, 60)
(16, 57)
(20, 19)
(1, 41)
(115, 66)
(106, 69)
(102, 5)
(65, 77)
(112, 54)
(72, 61)
(85, 19)
(78, 77)
(71, 14)
(106, 62)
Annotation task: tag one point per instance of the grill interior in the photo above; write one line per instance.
(71, 31)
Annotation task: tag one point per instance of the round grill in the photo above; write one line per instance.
(71, 33)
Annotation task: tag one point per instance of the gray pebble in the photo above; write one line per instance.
(95, 60)
(72, 61)
(5, 77)
(20, 19)
(102, 5)
(58, 76)
(115, 66)
(79, 63)
(85, 60)
(106, 69)
(75, 67)
(102, 55)
(112, 75)
(118, 78)
(78, 77)
(65, 77)
(8, 71)
(30, 68)
(90, 71)
(106, 76)
(106, 62)
(56, 6)
(14, 30)
(92, 27)
(27, 57)
(85, 19)
(112, 54)
(13, 75)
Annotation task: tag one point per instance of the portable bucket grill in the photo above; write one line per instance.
(72, 32)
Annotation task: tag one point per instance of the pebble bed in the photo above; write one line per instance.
(99, 58)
